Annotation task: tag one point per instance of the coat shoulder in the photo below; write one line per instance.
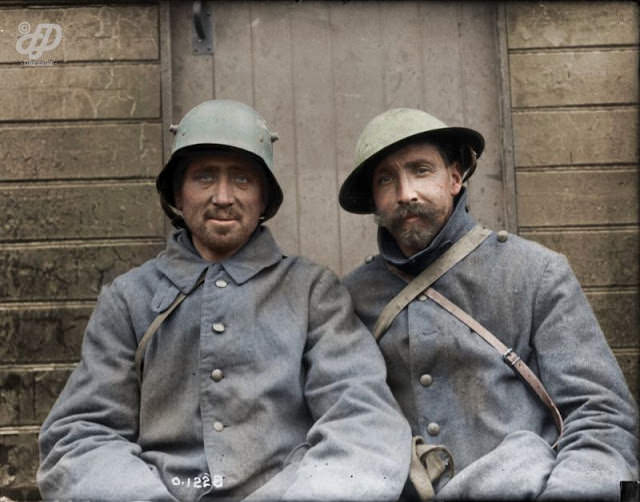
(513, 249)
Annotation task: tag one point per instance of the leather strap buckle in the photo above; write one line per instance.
(510, 357)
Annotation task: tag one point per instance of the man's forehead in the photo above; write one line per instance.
(221, 158)
(410, 152)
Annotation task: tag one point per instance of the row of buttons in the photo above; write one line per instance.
(426, 380)
(217, 374)
(433, 428)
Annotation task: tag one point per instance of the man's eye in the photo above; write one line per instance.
(203, 176)
(383, 179)
(242, 179)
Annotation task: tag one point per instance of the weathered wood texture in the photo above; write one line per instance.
(581, 197)
(598, 257)
(64, 92)
(81, 144)
(26, 396)
(319, 71)
(574, 88)
(50, 333)
(67, 271)
(576, 137)
(108, 210)
(574, 78)
(570, 24)
(619, 312)
(41, 152)
(89, 33)
(19, 455)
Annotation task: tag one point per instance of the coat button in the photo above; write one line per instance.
(422, 298)
(217, 375)
(503, 235)
(221, 283)
(426, 380)
(218, 327)
(433, 429)
(218, 426)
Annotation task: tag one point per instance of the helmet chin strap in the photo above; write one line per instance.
(470, 161)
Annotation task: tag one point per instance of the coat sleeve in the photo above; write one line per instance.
(598, 447)
(360, 442)
(88, 447)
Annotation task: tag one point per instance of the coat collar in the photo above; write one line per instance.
(181, 263)
(458, 224)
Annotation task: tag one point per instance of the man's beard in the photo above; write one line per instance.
(417, 235)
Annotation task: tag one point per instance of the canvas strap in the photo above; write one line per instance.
(155, 324)
(461, 248)
(421, 285)
(508, 356)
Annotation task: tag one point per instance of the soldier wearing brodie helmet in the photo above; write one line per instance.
(492, 350)
(222, 369)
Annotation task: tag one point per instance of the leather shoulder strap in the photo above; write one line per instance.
(508, 356)
(155, 324)
(461, 248)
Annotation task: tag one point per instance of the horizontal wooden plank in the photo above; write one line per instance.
(16, 389)
(80, 211)
(67, 272)
(558, 24)
(629, 365)
(574, 137)
(618, 313)
(598, 258)
(28, 395)
(103, 33)
(574, 78)
(80, 151)
(42, 334)
(18, 465)
(47, 386)
(594, 197)
(80, 92)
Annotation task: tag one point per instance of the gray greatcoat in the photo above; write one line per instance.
(456, 391)
(298, 408)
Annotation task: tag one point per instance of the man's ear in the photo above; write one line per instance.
(456, 178)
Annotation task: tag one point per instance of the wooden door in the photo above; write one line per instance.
(318, 71)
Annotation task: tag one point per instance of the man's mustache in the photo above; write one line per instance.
(222, 214)
(411, 209)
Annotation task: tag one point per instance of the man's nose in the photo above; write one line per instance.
(406, 190)
(222, 193)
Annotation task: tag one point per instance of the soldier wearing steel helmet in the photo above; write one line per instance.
(557, 421)
(222, 369)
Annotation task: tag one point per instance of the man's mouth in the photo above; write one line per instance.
(220, 216)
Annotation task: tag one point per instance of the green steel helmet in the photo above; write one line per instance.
(219, 123)
(393, 129)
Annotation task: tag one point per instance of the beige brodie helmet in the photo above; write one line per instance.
(220, 123)
(395, 128)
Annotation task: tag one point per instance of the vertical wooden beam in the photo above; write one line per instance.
(506, 127)
(166, 85)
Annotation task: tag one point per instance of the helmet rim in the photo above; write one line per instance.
(356, 195)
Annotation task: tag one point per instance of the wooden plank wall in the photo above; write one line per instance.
(81, 142)
(574, 95)
(319, 71)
